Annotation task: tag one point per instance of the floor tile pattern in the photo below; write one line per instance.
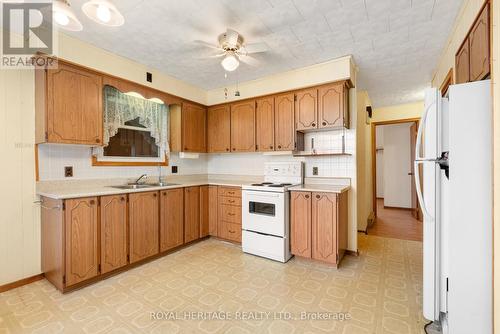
(377, 292)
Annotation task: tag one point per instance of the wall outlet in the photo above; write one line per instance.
(174, 169)
(315, 170)
(68, 171)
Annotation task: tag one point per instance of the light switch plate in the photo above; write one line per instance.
(68, 171)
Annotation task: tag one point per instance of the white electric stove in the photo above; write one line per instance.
(265, 211)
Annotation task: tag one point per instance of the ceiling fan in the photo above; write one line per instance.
(233, 48)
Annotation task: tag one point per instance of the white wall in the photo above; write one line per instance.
(380, 160)
(397, 165)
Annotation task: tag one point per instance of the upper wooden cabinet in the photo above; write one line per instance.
(143, 225)
(243, 126)
(188, 124)
(219, 129)
(472, 60)
(114, 239)
(284, 132)
(264, 118)
(333, 106)
(68, 103)
(191, 213)
(479, 45)
(171, 218)
(306, 109)
(81, 226)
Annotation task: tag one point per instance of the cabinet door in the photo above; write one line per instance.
(74, 106)
(243, 126)
(80, 221)
(300, 221)
(212, 210)
(219, 129)
(306, 109)
(194, 118)
(191, 213)
(324, 227)
(171, 219)
(479, 43)
(114, 248)
(331, 106)
(143, 220)
(284, 122)
(204, 211)
(264, 117)
(462, 67)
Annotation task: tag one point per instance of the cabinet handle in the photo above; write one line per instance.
(97, 140)
(92, 202)
(234, 149)
(231, 201)
(318, 196)
(307, 196)
(324, 123)
(164, 194)
(230, 192)
(227, 149)
(122, 199)
(231, 214)
(185, 148)
(279, 146)
(313, 125)
(271, 147)
(231, 231)
(154, 195)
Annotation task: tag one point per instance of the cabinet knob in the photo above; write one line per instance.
(234, 149)
(318, 196)
(185, 148)
(313, 125)
(324, 123)
(97, 140)
(307, 196)
(231, 231)
(122, 199)
(154, 195)
(164, 194)
(279, 146)
(271, 147)
(227, 149)
(92, 202)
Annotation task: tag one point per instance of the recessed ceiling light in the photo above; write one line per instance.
(103, 12)
(64, 16)
(230, 62)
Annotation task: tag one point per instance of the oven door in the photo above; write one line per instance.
(263, 212)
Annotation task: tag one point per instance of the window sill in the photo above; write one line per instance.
(96, 162)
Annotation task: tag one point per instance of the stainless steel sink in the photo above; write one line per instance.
(163, 184)
(133, 186)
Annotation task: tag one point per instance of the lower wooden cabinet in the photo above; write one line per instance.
(114, 238)
(191, 213)
(319, 225)
(80, 225)
(171, 218)
(212, 210)
(144, 225)
(204, 211)
(229, 213)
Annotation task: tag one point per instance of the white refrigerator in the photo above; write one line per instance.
(454, 148)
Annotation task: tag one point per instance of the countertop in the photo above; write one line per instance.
(324, 188)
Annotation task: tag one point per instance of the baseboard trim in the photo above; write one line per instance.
(353, 253)
(397, 208)
(21, 282)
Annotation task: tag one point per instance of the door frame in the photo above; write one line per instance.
(374, 153)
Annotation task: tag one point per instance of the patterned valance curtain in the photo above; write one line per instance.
(120, 108)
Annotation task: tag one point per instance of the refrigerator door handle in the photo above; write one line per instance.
(419, 160)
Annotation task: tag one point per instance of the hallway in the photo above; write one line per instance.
(395, 223)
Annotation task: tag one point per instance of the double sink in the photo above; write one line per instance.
(144, 185)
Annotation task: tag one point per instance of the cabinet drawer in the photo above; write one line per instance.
(230, 191)
(230, 213)
(230, 200)
(230, 231)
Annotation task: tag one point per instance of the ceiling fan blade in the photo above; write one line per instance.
(255, 47)
(218, 55)
(231, 37)
(210, 45)
(249, 60)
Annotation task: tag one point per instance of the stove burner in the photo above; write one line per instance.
(286, 184)
(279, 185)
(266, 183)
(258, 184)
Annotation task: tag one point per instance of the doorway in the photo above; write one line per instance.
(395, 204)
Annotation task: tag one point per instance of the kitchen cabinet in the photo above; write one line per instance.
(306, 109)
(284, 129)
(229, 213)
(81, 226)
(68, 106)
(462, 67)
(219, 129)
(472, 60)
(319, 225)
(212, 210)
(300, 223)
(243, 126)
(143, 225)
(188, 128)
(333, 106)
(171, 218)
(191, 213)
(264, 118)
(114, 238)
(204, 211)
(479, 46)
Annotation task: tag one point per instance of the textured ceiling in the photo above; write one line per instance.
(395, 43)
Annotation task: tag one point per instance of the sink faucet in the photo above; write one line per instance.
(140, 178)
(159, 173)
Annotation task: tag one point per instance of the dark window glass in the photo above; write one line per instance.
(262, 208)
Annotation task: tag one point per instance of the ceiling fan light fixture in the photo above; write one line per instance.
(230, 62)
(103, 12)
(64, 16)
